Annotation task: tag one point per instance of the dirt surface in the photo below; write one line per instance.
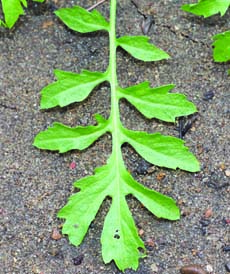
(36, 184)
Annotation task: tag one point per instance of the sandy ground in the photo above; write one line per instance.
(36, 184)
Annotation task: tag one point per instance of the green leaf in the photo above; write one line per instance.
(140, 48)
(120, 240)
(221, 52)
(63, 138)
(2, 24)
(81, 20)
(207, 8)
(82, 207)
(12, 9)
(158, 204)
(162, 150)
(157, 102)
(70, 87)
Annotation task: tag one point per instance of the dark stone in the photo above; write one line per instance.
(78, 260)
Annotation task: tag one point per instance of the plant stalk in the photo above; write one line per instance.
(95, 5)
(114, 115)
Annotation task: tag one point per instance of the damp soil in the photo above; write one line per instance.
(35, 184)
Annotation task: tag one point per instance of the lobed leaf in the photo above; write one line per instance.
(63, 138)
(157, 102)
(207, 8)
(162, 150)
(158, 204)
(221, 52)
(81, 20)
(82, 207)
(70, 87)
(12, 9)
(120, 240)
(140, 48)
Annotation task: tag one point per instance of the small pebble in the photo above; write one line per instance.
(209, 268)
(151, 169)
(227, 172)
(161, 176)
(227, 221)
(222, 166)
(194, 252)
(54, 251)
(208, 213)
(208, 95)
(56, 234)
(205, 222)
(154, 268)
(141, 232)
(142, 167)
(150, 242)
(227, 267)
(78, 260)
(52, 7)
(200, 255)
(72, 165)
(47, 24)
(226, 248)
(192, 269)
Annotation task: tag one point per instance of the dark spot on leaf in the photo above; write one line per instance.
(75, 225)
(141, 250)
(116, 236)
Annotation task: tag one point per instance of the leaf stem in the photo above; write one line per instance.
(95, 5)
(114, 115)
